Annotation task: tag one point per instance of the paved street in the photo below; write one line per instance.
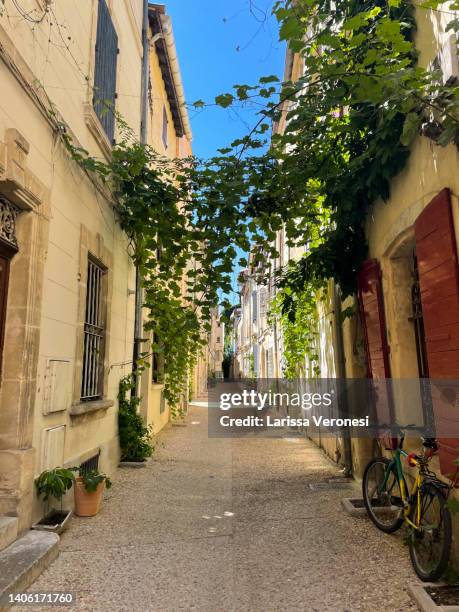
(223, 525)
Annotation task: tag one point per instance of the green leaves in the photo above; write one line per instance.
(291, 28)
(93, 478)
(224, 100)
(136, 441)
(360, 19)
(269, 79)
(410, 128)
(54, 483)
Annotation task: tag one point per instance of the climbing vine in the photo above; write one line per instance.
(300, 334)
(350, 119)
(348, 123)
(169, 243)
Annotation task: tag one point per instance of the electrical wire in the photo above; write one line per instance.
(27, 15)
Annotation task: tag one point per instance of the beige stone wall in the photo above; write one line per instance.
(47, 288)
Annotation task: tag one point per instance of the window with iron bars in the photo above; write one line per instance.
(94, 334)
(90, 464)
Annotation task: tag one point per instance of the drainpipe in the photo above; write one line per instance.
(143, 140)
(341, 374)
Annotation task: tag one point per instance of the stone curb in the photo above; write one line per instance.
(424, 601)
(8, 530)
(349, 508)
(23, 561)
(136, 465)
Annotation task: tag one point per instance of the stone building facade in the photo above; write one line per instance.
(67, 304)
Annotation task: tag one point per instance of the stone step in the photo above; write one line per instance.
(8, 530)
(23, 561)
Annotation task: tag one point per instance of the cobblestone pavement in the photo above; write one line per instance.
(229, 525)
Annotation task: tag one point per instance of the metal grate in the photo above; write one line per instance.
(90, 464)
(94, 333)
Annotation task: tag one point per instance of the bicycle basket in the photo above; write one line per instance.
(388, 442)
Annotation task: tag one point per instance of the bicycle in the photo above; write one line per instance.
(389, 505)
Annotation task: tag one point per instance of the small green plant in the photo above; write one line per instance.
(54, 483)
(136, 440)
(92, 479)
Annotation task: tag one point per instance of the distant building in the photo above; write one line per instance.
(216, 345)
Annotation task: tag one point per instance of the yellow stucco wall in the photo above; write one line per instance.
(390, 232)
(158, 102)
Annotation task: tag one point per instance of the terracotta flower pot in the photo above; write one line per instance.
(87, 503)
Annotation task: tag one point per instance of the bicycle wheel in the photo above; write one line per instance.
(384, 504)
(430, 546)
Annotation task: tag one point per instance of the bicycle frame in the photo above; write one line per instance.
(407, 499)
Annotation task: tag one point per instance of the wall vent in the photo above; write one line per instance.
(53, 447)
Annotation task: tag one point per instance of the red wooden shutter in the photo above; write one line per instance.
(436, 252)
(372, 310)
(371, 302)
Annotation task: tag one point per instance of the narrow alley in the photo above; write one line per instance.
(220, 524)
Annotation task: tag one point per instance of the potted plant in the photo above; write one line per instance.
(89, 489)
(54, 483)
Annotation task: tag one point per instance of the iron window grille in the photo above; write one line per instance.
(94, 334)
(90, 464)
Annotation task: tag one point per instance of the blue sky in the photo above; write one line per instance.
(208, 34)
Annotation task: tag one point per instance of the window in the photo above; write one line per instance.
(94, 334)
(90, 464)
(157, 370)
(105, 71)
(254, 306)
(263, 301)
(165, 126)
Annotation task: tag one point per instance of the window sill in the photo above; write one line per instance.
(82, 408)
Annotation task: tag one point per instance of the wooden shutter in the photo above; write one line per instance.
(371, 303)
(374, 323)
(436, 252)
(105, 70)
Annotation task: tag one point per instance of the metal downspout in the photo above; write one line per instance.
(341, 374)
(143, 140)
